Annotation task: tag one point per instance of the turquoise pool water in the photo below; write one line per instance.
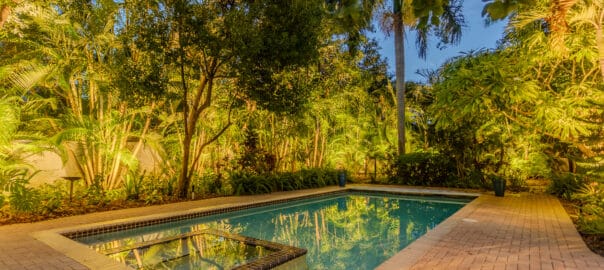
(347, 231)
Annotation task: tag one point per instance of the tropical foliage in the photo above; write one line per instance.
(242, 97)
(102, 83)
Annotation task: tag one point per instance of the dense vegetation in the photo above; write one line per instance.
(241, 97)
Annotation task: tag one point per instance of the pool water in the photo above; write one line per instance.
(347, 231)
(193, 251)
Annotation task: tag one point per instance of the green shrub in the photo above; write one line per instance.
(287, 181)
(94, 194)
(20, 197)
(590, 199)
(244, 182)
(254, 159)
(208, 183)
(118, 194)
(51, 197)
(24, 200)
(535, 165)
(132, 186)
(475, 179)
(516, 184)
(153, 197)
(154, 189)
(565, 185)
(249, 183)
(423, 169)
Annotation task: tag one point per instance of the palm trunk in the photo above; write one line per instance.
(5, 11)
(281, 160)
(322, 151)
(399, 51)
(293, 155)
(316, 144)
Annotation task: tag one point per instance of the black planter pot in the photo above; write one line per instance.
(499, 186)
(342, 179)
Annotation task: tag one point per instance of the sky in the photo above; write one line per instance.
(474, 36)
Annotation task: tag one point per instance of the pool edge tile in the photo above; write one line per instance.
(93, 260)
(78, 251)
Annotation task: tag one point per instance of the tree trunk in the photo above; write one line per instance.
(399, 51)
(293, 155)
(322, 151)
(183, 181)
(4, 13)
(316, 143)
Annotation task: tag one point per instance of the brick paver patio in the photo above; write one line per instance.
(519, 231)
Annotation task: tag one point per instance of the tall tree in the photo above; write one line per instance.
(253, 41)
(399, 52)
(440, 18)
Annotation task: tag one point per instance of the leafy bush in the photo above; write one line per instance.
(535, 165)
(116, 195)
(591, 203)
(250, 183)
(153, 197)
(95, 195)
(14, 183)
(155, 189)
(425, 169)
(51, 197)
(516, 184)
(132, 186)
(565, 185)
(475, 179)
(287, 181)
(208, 183)
(24, 200)
(255, 159)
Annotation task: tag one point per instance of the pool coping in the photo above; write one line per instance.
(412, 253)
(58, 240)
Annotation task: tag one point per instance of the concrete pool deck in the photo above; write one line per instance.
(519, 231)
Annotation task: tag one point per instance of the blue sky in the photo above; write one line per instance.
(475, 36)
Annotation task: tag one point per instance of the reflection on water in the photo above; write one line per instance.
(202, 251)
(344, 232)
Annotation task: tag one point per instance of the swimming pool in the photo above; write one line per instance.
(347, 230)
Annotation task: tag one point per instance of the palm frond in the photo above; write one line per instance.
(27, 77)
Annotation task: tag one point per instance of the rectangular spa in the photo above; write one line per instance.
(341, 230)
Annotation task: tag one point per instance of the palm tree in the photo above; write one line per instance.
(591, 14)
(561, 13)
(442, 19)
(68, 58)
(399, 52)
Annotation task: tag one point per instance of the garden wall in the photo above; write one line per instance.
(50, 167)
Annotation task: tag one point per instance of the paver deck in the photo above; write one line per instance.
(519, 231)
